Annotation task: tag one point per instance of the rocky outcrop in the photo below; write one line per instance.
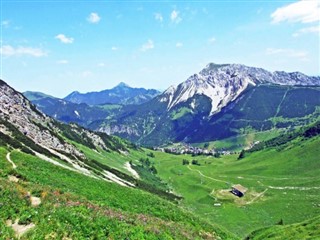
(18, 111)
(118, 129)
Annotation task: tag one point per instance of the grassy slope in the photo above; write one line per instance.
(309, 229)
(79, 207)
(239, 142)
(296, 166)
(113, 159)
(180, 113)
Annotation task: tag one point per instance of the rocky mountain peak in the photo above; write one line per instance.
(167, 95)
(74, 93)
(223, 83)
(120, 94)
(212, 67)
(220, 83)
(122, 85)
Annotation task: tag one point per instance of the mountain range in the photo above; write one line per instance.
(221, 101)
(223, 84)
(121, 94)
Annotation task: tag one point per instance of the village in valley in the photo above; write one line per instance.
(184, 148)
(236, 190)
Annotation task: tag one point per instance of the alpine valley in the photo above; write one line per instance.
(100, 165)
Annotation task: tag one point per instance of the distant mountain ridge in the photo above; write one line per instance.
(86, 108)
(220, 101)
(121, 94)
(33, 96)
(68, 112)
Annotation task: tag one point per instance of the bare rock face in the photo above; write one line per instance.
(96, 139)
(19, 229)
(112, 129)
(17, 110)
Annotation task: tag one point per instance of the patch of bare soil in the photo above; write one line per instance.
(19, 229)
(249, 197)
(35, 201)
(13, 178)
(131, 170)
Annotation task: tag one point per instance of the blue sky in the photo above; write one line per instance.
(57, 47)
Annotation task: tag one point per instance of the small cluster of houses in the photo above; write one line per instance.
(188, 149)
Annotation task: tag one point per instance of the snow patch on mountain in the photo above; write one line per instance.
(193, 104)
(167, 96)
(76, 112)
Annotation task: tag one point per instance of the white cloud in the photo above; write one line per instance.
(205, 11)
(175, 17)
(86, 74)
(158, 17)
(114, 48)
(9, 51)
(304, 11)
(64, 39)
(313, 29)
(146, 70)
(179, 44)
(302, 55)
(94, 18)
(5, 23)
(259, 11)
(101, 64)
(147, 46)
(139, 9)
(211, 40)
(63, 61)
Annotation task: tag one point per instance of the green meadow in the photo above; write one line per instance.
(308, 229)
(283, 186)
(239, 142)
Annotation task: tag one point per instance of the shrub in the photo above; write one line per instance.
(185, 162)
(241, 155)
(195, 162)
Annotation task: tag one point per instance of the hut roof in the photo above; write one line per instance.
(240, 188)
